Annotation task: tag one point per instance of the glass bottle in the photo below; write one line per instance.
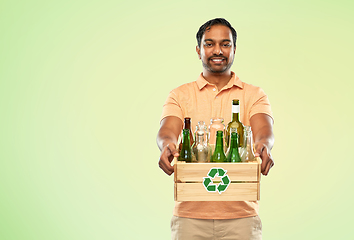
(201, 149)
(201, 127)
(187, 125)
(219, 154)
(235, 125)
(186, 150)
(216, 124)
(233, 154)
(247, 153)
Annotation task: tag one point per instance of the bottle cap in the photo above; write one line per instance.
(235, 102)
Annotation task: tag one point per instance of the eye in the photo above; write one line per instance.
(208, 44)
(227, 45)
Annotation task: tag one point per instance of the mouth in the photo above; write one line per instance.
(217, 60)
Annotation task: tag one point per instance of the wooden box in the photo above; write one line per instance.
(217, 181)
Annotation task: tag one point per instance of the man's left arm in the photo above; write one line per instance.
(262, 128)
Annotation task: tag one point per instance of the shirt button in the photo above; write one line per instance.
(214, 89)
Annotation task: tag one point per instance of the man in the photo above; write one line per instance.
(210, 96)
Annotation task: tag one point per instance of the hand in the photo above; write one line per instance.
(263, 152)
(166, 157)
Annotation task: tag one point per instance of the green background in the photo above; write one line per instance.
(82, 84)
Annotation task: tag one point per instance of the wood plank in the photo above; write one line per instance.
(194, 172)
(259, 168)
(235, 192)
(175, 169)
(175, 192)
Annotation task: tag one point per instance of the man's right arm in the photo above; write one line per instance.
(167, 138)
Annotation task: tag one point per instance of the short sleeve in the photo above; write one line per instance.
(172, 107)
(260, 104)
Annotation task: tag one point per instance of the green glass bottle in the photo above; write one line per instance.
(219, 154)
(235, 125)
(187, 125)
(186, 150)
(233, 154)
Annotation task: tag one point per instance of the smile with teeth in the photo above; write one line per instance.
(217, 60)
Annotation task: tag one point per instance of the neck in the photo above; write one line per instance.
(218, 79)
(219, 143)
(235, 117)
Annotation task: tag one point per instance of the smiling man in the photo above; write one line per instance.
(208, 97)
(217, 51)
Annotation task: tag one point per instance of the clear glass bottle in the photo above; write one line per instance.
(247, 153)
(202, 127)
(219, 154)
(186, 150)
(235, 125)
(233, 154)
(216, 124)
(201, 149)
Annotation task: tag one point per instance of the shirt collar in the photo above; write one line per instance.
(202, 82)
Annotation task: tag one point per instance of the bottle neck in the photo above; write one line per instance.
(199, 139)
(249, 139)
(233, 144)
(186, 139)
(187, 124)
(235, 113)
(219, 143)
(235, 117)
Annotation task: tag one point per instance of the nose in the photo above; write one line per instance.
(217, 50)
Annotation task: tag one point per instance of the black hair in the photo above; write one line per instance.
(215, 21)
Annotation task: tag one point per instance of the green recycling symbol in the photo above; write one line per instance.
(222, 186)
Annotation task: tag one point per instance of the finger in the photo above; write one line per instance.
(166, 163)
(166, 167)
(266, 170)
(169, 171)
(173, 150)
(269, 165)
(265, 159)
(264, 156)
(166, 158)
(259, 148)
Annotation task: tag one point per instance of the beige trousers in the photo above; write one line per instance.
(249, 228)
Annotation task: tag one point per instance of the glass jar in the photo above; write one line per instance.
(216, 124)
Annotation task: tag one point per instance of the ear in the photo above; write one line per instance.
(198, 51)
(234, 50)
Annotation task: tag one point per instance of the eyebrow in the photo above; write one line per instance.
(224, 40)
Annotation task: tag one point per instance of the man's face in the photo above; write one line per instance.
(217, 49)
